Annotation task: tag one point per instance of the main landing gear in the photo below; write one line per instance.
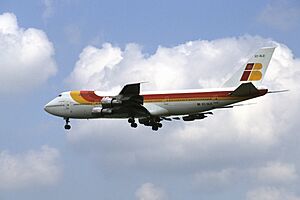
(156, 126)
(153, 122)
(67, 126)
(132, 123)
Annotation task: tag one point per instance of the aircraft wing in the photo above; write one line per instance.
(132, 101)
(131, 89)
(130, 93)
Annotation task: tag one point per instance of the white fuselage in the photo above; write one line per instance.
(165, 103)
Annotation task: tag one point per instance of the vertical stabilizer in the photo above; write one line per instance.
(254, 70)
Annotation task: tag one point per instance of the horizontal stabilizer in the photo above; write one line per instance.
(278, 91)
(245, 89)
(235, 105)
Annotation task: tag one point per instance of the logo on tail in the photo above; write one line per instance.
(255, 69)
(252, 72)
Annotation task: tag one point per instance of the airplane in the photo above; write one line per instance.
(151, 108)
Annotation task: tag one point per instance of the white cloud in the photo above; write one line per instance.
(271, 193)
(32, 168)
(86, 74)
(269, 173)
(281, 15)
(276, 172)
(169, 68)
(241, 138)
(49, 9)
(148, 191)
(26, 56)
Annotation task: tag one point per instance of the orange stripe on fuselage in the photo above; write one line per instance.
(89, 97)
(76, 96)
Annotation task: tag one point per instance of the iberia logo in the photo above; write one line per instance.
(252, 72)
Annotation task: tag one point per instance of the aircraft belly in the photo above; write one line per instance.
(85, 112)
(184, 107)
(81, 111)
(187, 107)
(156, 109)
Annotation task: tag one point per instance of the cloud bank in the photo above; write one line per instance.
(26, 56)
(27, 169)
(271, 193)
(236, 144)
(148, 191)
(168, 68)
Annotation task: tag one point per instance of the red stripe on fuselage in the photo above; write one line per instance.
(90, 96)
(186, 95)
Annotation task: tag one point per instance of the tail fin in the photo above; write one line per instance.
(255, 69)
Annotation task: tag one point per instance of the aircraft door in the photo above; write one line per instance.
(67, 107)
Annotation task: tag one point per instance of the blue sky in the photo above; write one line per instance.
(106, 159)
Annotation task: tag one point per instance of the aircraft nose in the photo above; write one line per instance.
(51, 107)
(47, 107)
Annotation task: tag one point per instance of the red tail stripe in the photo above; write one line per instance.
(245, 76)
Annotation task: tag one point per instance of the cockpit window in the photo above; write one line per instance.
(59, 95)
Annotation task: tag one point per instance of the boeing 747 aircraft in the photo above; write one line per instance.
(151, 108)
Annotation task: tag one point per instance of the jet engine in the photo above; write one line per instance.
(100, 110)
(193, 117)
(109, 102)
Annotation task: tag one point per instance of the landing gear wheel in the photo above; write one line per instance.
(131, 120)
(67, 127)
(133, 125)
(159, 125)
(154, 127)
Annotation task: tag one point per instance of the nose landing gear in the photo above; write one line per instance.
(67, 126)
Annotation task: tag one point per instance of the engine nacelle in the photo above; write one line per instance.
(109, 102)
(100, 110)
(193, 117)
